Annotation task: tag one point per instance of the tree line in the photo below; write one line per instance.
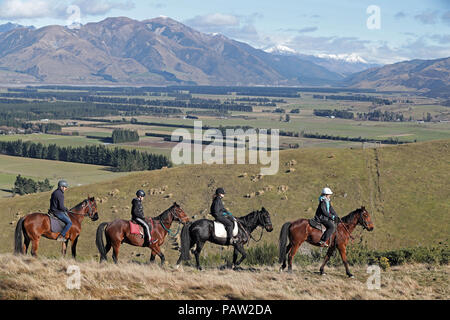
(26, 186)
(343, 114)
(124, 135)
(119, 159)
(373, 99)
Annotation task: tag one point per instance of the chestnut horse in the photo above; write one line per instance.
(118, 232)
(35, 225)
(300, 231)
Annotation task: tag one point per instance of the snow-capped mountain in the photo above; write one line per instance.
(343, 64)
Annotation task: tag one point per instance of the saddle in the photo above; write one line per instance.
(316, 224)
(137, 229)
(220, 232)
(56, 225)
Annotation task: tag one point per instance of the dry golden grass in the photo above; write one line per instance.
(30, 278)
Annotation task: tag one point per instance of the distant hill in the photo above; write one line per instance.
(158, 51)
(430, 77)
(403, 187)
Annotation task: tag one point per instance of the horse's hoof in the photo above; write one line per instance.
(351, 276)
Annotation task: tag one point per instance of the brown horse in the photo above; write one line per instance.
(35, 225)
(118, 232)
(300, 231)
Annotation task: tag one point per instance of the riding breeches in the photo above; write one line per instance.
(145, 226)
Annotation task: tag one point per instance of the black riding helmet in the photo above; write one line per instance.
(140, 193)
(220, 191)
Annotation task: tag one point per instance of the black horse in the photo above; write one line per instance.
(200, 231)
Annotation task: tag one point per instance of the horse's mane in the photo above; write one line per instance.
(165, 213)
(350, 216)
(79, 206)
(246, 219)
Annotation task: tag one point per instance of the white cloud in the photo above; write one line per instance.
(101, 7)
(213, 21)
(32, 9)
(25, 9)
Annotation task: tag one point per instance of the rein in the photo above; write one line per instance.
(173, 235)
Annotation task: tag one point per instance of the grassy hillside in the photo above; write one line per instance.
(29, 278)
(405, 188)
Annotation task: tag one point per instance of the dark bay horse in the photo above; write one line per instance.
(300, 231)
(200, 231)
(35, 225)
(118, 232)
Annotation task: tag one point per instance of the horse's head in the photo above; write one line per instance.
(264, 219)
(89, 208)
(179, 214)
(364, 219)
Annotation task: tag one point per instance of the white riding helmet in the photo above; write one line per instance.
(327, 191)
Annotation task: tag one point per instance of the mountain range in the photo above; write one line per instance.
(162, 51)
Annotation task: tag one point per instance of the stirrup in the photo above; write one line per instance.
(323, 244)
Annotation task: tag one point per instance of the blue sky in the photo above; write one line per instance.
(406, 30)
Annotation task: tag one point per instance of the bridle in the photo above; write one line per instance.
(88, 214)
(174, 215)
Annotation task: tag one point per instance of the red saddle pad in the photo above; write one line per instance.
(134, 228)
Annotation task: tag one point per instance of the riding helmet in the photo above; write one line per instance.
(326, 191)
(140, 193)
(220, 191)
(63, 183)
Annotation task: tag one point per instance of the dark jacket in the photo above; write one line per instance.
(322, 211)
(57, 201)
(217, 208)
(137, 210)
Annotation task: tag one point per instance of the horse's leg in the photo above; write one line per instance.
(34, 246)
(74, 247)
(26, 244)
(64, 247)
(157, 250)
(292, 253)
(240, 249)
(116, 247)
(152, 256)
(288, 249)
(327, 257)
(343, 253)
(197, 251)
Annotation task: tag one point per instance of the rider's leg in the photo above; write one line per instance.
(329, 231)
(64, 218)
(228, 227)
(147, 233)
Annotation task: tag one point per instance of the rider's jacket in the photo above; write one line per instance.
(137, 210)
(325, 209)
(57, 201)
(217, 208)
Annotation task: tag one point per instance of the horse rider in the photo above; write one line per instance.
(59, 210)
(326, 215)
(221, 215)
(137, 215)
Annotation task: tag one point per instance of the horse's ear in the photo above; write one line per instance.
(363, 208)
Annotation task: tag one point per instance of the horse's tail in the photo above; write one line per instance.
(283, 241)
(18, 245)
(99, 241)
(185, 242)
